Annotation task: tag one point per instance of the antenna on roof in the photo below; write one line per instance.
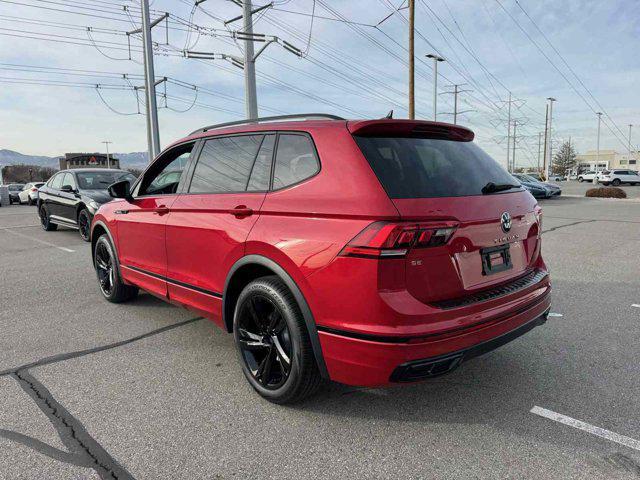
(390, 114)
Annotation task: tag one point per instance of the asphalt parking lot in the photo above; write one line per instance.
(145, 390)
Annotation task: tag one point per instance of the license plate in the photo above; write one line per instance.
(495, 259)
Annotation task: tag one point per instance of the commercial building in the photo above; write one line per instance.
(87, 160)
(608, 159)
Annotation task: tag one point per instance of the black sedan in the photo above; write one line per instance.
(72, 197)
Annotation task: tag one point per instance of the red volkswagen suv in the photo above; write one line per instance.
(368, 252)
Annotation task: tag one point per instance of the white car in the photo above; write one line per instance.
(618, 176)
(29, 194)
(587, 176)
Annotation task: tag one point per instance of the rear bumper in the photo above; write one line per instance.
(360, 361)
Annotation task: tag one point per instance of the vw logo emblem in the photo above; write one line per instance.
(505, 222)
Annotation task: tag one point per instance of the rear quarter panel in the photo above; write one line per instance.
(304, 227)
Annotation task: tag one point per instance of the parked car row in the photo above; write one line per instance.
(537, 188)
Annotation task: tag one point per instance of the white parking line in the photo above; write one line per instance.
(64, 249)
(20, 226)
(597, 431)
(635, 305)
(554, 314)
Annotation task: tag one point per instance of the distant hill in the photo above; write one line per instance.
(11, 157)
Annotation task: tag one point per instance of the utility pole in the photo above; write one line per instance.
(456, 91)
(598, 143)
(539, 144)
(153, 134)
(546, 135)
(548, 147)
(629, 161)
(251, 98)
(513, 168)
(435, 59)
(412, 11)
(248, 63)
(509, 133)
(106, 142)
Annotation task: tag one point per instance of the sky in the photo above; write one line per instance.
(51, 65)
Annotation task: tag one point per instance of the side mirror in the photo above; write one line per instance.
(67, 189)
(121, 190)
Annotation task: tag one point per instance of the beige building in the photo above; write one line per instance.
(608, 159)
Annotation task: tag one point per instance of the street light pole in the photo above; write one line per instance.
(435, 59)
(153, 134)
(106, 142)
(598, 144)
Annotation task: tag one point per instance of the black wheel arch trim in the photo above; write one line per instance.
(113, 244)
(297, 293)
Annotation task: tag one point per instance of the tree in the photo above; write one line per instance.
(564, 159)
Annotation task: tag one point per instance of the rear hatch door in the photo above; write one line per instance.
(435, 175)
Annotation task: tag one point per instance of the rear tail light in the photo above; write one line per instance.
(34, 189)
(388, 240)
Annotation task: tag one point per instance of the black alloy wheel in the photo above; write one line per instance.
(264, 341)
(111, 286)
(104, 269)
(45, 222)
(616, 182)
(84, 225)
(273, 343)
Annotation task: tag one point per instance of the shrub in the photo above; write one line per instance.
(606, 192)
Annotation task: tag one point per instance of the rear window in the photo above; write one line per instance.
(427, 168)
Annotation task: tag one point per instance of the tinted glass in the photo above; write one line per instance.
(15, 188)
(100, 180)
(56, 182)
(424, 168)
(295, 160)
(261, 172)
(225, 164)
(164, 175)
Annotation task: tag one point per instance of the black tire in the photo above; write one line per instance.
(30, 202)
(84, 225)
(269, 329)
(106, 266)
(45, 222)
(616, 182)
(580, 179)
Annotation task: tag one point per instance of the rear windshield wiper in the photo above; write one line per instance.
(497, 187)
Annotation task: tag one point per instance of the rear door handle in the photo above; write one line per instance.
(241, 211)
(162, 210)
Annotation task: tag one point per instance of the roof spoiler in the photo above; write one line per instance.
(410, 128)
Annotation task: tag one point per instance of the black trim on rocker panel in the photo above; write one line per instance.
(302, 303)
(175, 282)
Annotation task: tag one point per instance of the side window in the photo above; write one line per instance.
(295, 161)
(225, 164)
(56, 182)
(164, 175)
(261, 172)
(70, 180)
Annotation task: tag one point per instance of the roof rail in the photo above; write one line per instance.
(299, 116)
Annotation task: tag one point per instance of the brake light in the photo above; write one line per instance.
(539, 221)
(34, 189)
(388, 240)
